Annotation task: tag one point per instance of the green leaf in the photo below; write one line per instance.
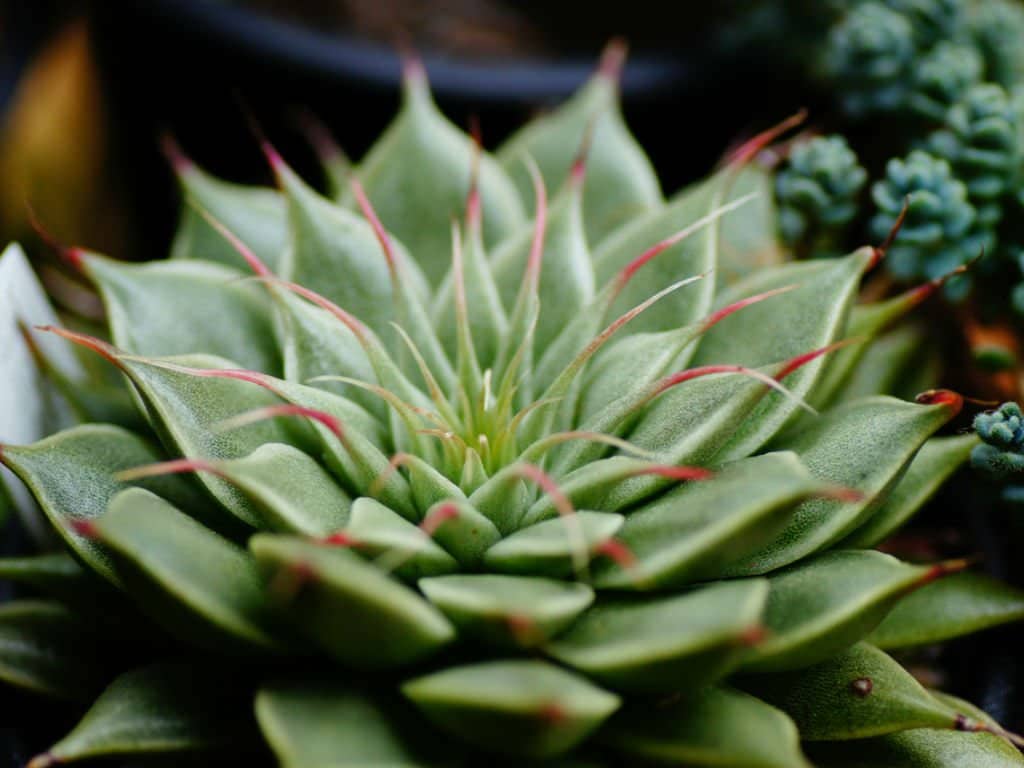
(71, 474)
(553, 547)
(48, 649)
(951, 607)
(749, 241)
(508, 610)
(255, 214)
(865, 445)
(290, 490)
(334, 252)
(901, 362)
(937, 460)
(189, 413)
(418, 173)
(694, 255)
(332, 726)
(663, 644)
(352, 609)
(463, 531)
(693, 532)
(821, 606)
(178, 708)
(191, 581)
(620, 183)
(814, 315)
(514, 707)
(55, 575)
(212, 313)
(379, 532)
(920, 748)
(856, 695)
(712, 728)
(567, 282)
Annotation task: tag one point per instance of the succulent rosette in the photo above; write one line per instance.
(442, 471)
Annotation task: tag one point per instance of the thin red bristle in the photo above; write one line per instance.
(693, 373)
(753, 635)
(413, 70)
(675, 472)
(473, 212)
(803, 359)
(396, 461)
(618, 553)
(945, 568)
(719, 315)
(750, 149)
(547, 484)
(613, 58)
(100, 347)
(438, 517)
(578, 171)
(880, 251)
(71, 255)
(172, 467)
(176, 157)
(841, 493)
(291, 409)
(347, 319)
(254, 262)
(540, 194)
(378, 228)
(87, 529)
(946, 397)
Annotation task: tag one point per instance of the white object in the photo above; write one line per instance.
(29, 409)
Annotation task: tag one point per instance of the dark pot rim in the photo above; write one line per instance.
(334, 56)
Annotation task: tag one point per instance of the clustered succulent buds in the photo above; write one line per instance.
(440, 470)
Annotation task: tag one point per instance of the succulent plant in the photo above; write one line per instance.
(563, 498)
(1002, 431)
(981, 142)
(817, 190)
(938, 233)
(997, 27)
(870, 57)
(942, 79)
(932, 20)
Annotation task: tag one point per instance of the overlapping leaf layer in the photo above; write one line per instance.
(464, 470)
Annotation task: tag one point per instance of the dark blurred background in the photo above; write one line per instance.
(87, 87)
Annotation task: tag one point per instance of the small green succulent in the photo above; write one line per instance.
(442, 473)
(942, 79)
(997, 26)
(817, 191)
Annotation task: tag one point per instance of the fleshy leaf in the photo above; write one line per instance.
(663, 644)
(56, 575)
(212, 313)
(855, 695)
(567, 282)
(418, 174)
(694, 255)
(379, 532)
(712, 728)
(163, 709)
(920, 748)
(951, 607)
(937, 460)
(324, 724)
(823, 605)
(196, 584)
(71, 474)
(549, 548)
(749, 241)
(521, 707)
(334, 252)
(814, 315)
(621, 183)
(508, 610)
(50, 649)
(864, 445)
(692, 532)
(291, 492)
(350, 608)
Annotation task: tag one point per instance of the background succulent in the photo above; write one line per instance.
(546, 487)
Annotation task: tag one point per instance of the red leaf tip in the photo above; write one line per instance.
(180, 162)
(73, 256)
(947, 397)
(438, 517)
(339, 539)
(881, 250)
(87, 529)
(613, 59)
(750, 149)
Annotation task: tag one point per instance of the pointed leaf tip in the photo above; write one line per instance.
(613, 60)
(283, 409)
(72, 256)
(254, 262)
(45, 760)
(947, 397)
(317, 134)
(180, 162)
(100, 347)
(750, 149)
(378, 228)
(803, 359)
